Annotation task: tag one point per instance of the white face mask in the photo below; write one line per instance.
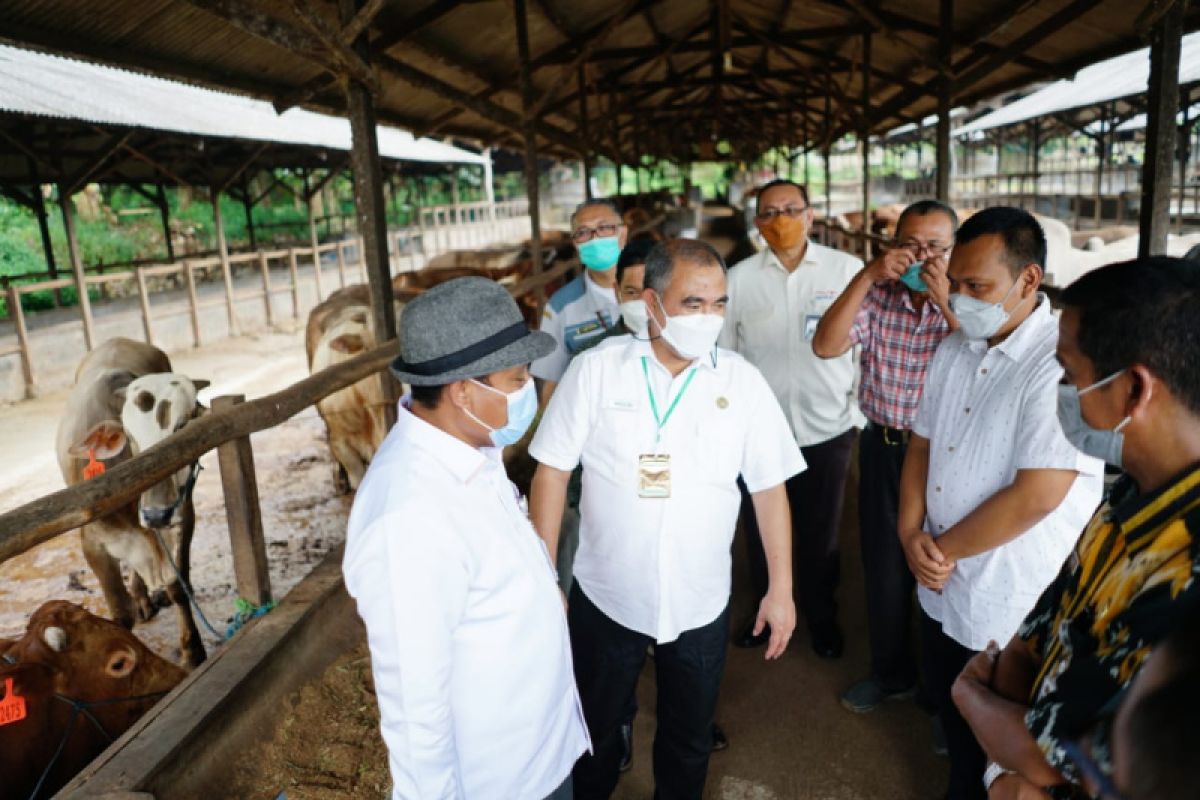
(979, 319)
(1107, 445)
(636, 316)
(691, 335)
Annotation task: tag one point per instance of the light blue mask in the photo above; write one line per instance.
(979, 319)
(1103, 444)
(522, 408)
(600, 253)
(912, 278)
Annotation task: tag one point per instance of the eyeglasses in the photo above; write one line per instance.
(603, 230)
(1092, 771)
(769, 214)
(934, 249)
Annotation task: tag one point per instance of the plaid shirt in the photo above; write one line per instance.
(898, 343)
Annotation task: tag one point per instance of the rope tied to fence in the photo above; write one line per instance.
(244, 611)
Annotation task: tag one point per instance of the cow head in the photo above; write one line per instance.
(93, 657)
(152, 408)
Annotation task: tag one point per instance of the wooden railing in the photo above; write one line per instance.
(863, 244)
(229, 424)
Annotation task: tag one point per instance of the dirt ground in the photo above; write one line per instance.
(790, 740)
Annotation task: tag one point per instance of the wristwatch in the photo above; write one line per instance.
(993, 773)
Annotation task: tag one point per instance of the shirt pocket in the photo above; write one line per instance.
(617, 437)
(718, 443)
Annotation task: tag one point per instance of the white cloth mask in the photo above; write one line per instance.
(691, 335)
(636, 316)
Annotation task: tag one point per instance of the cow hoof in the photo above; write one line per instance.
(146, 610)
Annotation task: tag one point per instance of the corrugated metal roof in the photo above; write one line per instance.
(1116, 78)
(52, 86)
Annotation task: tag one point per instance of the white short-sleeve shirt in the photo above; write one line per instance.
(662, 566)
(469, 643)
(989, 412)
(771, 319)
(578, 315)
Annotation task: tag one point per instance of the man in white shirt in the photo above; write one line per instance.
(776, 299)
(992, 495)
(663, 428)
(469, 643)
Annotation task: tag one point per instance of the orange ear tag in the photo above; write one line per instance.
(12, 707)
(93, 467)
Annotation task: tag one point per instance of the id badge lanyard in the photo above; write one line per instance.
(661, 421)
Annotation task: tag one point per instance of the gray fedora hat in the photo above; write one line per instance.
(464, 328)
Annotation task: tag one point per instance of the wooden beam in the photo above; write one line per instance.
(245, 18)
(944, 96)
(1155, 214)
(361, 21)
(623, 13)
(531, 164)
(1027, 41)
(330, 38)
(238, 170)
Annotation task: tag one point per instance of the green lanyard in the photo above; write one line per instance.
(662, 421)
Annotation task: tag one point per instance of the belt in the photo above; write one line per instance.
(892, 437)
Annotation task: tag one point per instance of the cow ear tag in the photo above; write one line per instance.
(93, 467)
(12, 707)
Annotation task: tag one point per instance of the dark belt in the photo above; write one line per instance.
(892, 437)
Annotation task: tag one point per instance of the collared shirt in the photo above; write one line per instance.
(898, 342)
(661, 566)
(469, 645)
(988, 413)
(1131, 578)
(771, 319)
(578, 315)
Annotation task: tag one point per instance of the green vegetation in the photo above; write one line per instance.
(117, 225)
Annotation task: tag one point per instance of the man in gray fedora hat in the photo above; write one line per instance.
(469, 645)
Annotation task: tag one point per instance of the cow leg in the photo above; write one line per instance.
(347, 455)
(108, 573)
(191, 646)
(145, 607)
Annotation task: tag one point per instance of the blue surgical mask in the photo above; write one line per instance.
(912, 278)
(522, 408)
(600, 253)
(1103, 444)
(979, 319)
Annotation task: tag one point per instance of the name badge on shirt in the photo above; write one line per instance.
(654, 475)
(810, 326)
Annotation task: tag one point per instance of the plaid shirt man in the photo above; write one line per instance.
(898, 341)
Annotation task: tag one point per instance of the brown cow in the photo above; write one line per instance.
(126, 399)
(70, 659)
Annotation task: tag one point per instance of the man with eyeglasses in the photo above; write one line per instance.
(896, 309)
(776, 300)
(585, 309)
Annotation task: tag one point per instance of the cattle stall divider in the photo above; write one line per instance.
(188, 739)
(473, 227)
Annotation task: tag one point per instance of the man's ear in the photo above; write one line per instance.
(1032, 276)
(106, 439)
(1142, 390)
(457, 393)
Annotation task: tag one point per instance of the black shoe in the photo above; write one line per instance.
(626, 747)
(748, 640)
(827, 641)
(720, 741)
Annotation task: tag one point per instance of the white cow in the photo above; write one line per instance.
(125, 400)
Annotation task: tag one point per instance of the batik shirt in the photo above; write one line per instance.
(1130, 579)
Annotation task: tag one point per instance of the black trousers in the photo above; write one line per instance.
(608, 659)
(888, 581)
(816, 496)
(943, 659)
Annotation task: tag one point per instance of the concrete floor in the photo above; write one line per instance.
(789, 737)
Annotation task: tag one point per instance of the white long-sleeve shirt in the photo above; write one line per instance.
(468, 639)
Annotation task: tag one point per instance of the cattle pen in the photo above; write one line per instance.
(180, 748)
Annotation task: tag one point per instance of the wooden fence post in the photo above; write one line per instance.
(249, 548)
(144, 299)
(223, 252)
(189, 276)
(295, 282)
(265, 268)
(341, 261)
(18, 317)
